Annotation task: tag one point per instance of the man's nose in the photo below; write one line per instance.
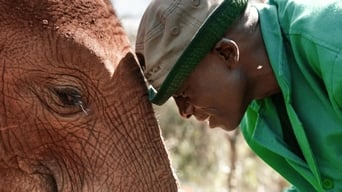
(184, 107)
(186, 110)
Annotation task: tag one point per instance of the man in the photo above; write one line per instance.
(275, 69)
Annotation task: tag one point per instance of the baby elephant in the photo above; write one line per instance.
(74, 112)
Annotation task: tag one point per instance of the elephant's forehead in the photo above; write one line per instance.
(78, 13)
(88, 23)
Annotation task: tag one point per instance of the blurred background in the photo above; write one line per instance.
(204, 159)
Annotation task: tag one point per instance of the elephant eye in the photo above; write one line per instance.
(67, 101)
(68, 96)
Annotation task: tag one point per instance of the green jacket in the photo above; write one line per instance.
(299, 133)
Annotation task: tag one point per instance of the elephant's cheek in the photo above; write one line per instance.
(133, 124)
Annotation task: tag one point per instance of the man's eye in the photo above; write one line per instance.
(180, 94)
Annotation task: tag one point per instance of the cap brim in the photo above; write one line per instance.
(204, 40)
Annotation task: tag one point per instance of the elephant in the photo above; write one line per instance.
(74, 109)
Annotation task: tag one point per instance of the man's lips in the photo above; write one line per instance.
(211, 123)
(203, 114)
(202, 117)
(208, 119)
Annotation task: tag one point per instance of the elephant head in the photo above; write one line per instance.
(74, 112)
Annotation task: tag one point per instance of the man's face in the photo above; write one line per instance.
(215, 91)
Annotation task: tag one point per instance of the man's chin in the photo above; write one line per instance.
(226, 127)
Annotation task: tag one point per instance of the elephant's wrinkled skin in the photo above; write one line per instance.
(74, 113)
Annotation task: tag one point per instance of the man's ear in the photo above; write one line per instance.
(228, 50)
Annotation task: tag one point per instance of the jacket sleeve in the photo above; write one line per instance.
(321, 65)
(314, 31)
